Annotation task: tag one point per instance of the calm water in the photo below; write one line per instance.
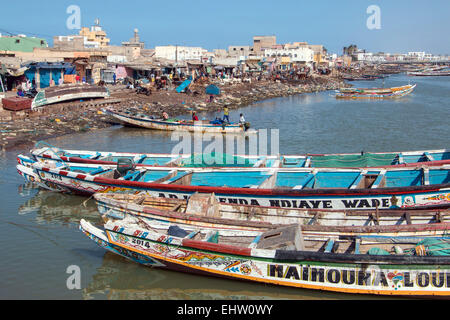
(39, 229)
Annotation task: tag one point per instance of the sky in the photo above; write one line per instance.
(405, 25)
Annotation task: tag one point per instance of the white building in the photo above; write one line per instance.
(418, 55)
(180, 53)
(297, 54)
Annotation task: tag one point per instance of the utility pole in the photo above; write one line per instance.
(176, 55)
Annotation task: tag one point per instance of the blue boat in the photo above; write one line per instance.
(305, 188)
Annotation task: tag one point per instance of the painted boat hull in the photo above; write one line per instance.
(155, 124)
(237, 220)
(346, 273)
(68, 92)
(366, 199)
(366, 94)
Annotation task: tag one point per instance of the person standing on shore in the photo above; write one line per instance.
(226, 114)
(241, 118)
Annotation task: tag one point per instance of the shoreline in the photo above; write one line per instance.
(25, 128)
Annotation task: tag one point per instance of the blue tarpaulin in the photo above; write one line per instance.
(44, 75)
(212, 89)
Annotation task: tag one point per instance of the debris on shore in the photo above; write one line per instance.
(27, 127)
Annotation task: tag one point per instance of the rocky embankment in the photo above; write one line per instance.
(19, 128)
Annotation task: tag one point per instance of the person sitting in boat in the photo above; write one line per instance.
(194, 117)
(165, 115)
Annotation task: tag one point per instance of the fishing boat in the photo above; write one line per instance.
(318, 188)
(130, 118)
(362, 159)
(67, 92)
(364, 77)
(203, 211)
(374, 93)
(429, 73)
(283, 257)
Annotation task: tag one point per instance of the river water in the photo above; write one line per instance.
(39, 229)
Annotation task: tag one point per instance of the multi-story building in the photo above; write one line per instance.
(296, 54)
(263, 42)
(236, 51)
(134, 46)
(180, 53)
(95, 34)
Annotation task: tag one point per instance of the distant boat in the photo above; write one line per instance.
(429, 73)
(364, 77)
(148, 122)
(374, 93)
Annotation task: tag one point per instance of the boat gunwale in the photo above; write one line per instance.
(140, 210)
(249, 191)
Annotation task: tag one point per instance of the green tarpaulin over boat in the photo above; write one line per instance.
(365, 160)
(216, 160)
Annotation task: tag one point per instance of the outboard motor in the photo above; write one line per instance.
(124, 165)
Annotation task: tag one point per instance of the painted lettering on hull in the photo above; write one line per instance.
(374, 278)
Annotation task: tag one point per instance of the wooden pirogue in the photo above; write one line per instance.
(203, 211)
(284, 257)
(362, 159)
(148, 122)
(374, 93)
(303, 188)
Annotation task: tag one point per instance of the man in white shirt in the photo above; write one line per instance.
(241, 119)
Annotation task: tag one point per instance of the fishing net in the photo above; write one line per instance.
(433, 247)
(216, 160)
(364, 160)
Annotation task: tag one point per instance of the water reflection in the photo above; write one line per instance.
(118, 278)
(53, 207)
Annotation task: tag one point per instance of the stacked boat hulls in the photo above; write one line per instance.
(369, 229)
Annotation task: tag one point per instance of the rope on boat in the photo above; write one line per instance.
(50, 147)
(85, 201)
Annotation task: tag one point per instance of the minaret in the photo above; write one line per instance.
(136, 35)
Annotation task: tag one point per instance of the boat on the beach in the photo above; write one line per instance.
(318, 188)
(67, 92)
(363, 159)
(141, 120)
(203, 211)
(285, 257)
(374, 93)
